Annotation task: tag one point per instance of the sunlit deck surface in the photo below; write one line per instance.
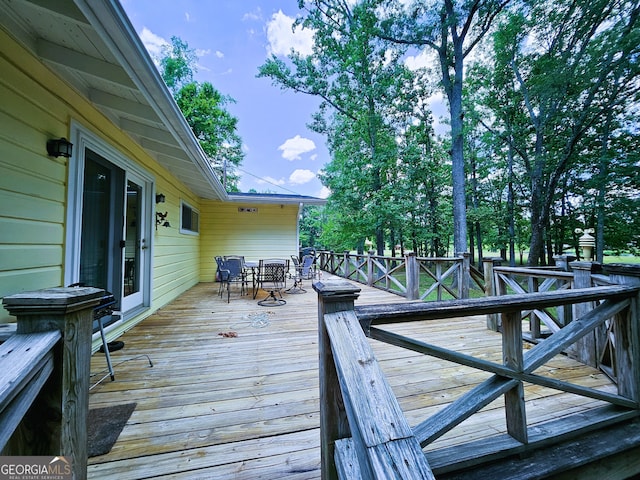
(246, 407)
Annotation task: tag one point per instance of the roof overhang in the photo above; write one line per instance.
(273, 198)
(92, 45)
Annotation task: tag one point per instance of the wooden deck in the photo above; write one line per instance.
(246, 406)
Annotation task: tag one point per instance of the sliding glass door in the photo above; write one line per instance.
(110, 227)
(135, 243)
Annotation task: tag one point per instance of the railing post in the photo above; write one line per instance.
(627, 352)
(464, 276)
(488, 264)
(514, 406)
(347, 267)
(332, 261)
(336, 296)
(585, 351)
(57, 422)
(370, 273)
(412, 271)
(562, 264)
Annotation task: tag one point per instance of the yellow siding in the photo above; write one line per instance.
(271, 232)
(36, 106)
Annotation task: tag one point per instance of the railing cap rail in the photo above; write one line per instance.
(403, 312)
(534, 272)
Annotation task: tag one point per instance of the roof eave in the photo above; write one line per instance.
(112, 24)
(275, 199)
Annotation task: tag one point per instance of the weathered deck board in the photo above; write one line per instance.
(214, 407)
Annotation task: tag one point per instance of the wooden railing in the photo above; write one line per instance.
(513, 280)
(44, 375)
(363, 431)
(416, 278)
(596, 349)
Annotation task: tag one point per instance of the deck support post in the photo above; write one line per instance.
(333, 297)
(347, 264)
(562, 264)
(57, 422)
(488, 264)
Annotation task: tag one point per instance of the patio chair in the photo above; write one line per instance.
(237, 273)
(308, 267)
(301, 271)
(222, 276)
(272, 277)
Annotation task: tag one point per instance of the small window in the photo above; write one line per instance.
(189, 219)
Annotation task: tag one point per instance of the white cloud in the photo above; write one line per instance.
(324, 193)
(300, 177)
(281, 39)
(424, 59)
(153, 43)
(296, 146)
(271, 181)
(255, 15)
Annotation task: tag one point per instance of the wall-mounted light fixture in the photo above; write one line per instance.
(161, 219)
(160, 198)
(59, 148)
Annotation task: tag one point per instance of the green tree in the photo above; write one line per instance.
(563, 65)
(205, 110)
(359, 81)
(311, 226)
(177, 64)
(451, 30)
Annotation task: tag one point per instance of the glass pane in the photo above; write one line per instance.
(94, 246)
(132, 239)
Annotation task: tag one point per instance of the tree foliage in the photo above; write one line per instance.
(543, 123)
(205, 110)
(360, 82)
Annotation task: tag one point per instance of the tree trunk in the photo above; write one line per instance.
(511, 209)
(603, 172)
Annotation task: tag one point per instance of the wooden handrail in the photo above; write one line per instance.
(355, 444)
(402, 312)
(26, 362)
(372, 418)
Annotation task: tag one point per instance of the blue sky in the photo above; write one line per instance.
(232, 39)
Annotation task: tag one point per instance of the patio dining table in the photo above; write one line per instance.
(253, 266)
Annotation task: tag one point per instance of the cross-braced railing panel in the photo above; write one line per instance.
(385, 273)
(432, 268)
(514, 280)
(520, 365)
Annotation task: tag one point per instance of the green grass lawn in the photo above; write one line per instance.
(622, 259)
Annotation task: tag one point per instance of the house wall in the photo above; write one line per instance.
(269, 232)
(36, 105)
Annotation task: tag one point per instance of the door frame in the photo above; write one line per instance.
(83, 139)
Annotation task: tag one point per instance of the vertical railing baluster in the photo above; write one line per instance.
(513, 358)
